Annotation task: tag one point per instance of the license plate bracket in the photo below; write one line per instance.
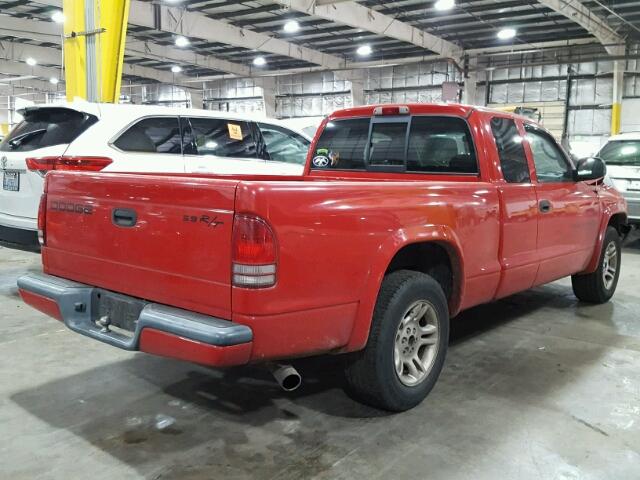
(11, 181)
(122, 311)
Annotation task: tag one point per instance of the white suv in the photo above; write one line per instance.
(133, 138)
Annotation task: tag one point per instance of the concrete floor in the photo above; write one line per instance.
(535, 387)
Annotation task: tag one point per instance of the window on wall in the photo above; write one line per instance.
(152, 135)
(513, 161)
(440, 144)
(550, 162)
(219, 137)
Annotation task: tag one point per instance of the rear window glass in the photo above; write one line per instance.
(440, 145)
(435, 144)
(342, 145)
(621, 152)
(152, 135)
(46, 127)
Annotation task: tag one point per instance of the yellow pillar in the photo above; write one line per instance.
(95, 33)
(616, 104)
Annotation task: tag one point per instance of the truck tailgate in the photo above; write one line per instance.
(156, 237)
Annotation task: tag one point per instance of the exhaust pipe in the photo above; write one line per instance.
(286, 375)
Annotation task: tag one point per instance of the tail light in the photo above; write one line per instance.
(254, 253)
(86, 164)
(42, 219)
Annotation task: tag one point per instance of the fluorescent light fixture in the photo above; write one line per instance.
(506, 33)
(182, 41)
(176, 69)
(259, 61)
(53, 80)
(443, 5)
(57, 16)
(31, 61)
(291, 26)
(364, 50)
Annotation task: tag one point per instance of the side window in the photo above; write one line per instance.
(387, 144)
(222, 138)
(152, 135)
(513, 160)
(342, 144)
(440, 144)
(283, 145)
(551, 164)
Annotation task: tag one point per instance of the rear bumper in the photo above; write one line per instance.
(160, 330)
(19, 238)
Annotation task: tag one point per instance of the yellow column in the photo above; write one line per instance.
(105, 50)
(616, 104)
(114, 15)
(75, 51)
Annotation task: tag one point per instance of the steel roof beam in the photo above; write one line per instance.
(357, 16)
(590, 21)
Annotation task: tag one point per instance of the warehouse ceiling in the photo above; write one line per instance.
(277, 30)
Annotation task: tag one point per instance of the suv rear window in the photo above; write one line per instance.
(434, 144)
(46, 127)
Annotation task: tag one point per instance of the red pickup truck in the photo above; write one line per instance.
(406, 215)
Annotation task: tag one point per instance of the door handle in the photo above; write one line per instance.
(544, 206)
(124, 217)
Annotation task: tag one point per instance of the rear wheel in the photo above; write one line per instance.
(407, 343)
(599, 286)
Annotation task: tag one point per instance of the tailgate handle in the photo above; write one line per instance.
(124, 217)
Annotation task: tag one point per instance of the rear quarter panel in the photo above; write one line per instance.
(336, 239)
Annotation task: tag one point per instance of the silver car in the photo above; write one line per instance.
(621, 153)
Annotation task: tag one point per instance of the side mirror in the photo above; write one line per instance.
(591, 168)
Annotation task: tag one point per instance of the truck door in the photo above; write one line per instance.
(518, 204)
(568, 211)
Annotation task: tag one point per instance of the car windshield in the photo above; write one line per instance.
(621, 152)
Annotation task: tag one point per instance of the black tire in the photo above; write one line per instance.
(591, 287)
(371, 373)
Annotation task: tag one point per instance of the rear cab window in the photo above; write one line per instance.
(46, 127)
(417, 144)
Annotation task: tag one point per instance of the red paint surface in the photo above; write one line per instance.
(44, 304)
(336, 234)
(167, 345)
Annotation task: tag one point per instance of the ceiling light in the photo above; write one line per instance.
(291, 26)
(259, 61)
(506, 33)
(53, 80)
(364, 50)
(176, 69)
(31, 61)
(57, 16)
(445, 5)
(182, 41)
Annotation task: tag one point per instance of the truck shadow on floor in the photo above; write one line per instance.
(148, 412)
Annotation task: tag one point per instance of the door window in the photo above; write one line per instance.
(152, 135)
(283, 145)
(440, 145)
(220, 137)
(550, 162)
(513, 161)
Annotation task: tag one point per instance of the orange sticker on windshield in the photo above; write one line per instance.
(235, 132)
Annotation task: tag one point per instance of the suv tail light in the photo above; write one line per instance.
(254, 253)
(85, 164)
(42, 219)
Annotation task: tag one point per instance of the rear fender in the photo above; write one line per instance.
(441, 234)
